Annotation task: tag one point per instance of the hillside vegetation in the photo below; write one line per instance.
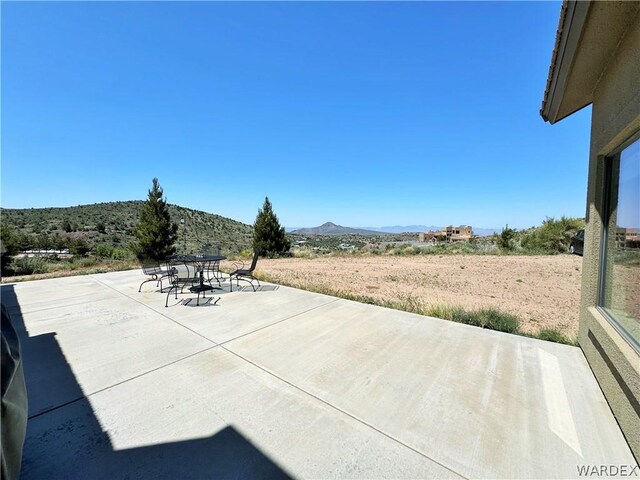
(108, 227)
(552, 237)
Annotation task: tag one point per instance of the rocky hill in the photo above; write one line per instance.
(333, 229)
(113, 223)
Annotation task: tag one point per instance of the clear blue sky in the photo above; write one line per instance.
(364, 114)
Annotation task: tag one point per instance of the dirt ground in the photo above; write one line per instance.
(543, 291)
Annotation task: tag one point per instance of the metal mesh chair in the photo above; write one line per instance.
(155, 272)
(212, 269)
(180, 276)
(245, 274)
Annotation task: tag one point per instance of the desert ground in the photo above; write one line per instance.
(543, 291)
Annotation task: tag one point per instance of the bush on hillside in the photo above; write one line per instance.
(507, 238)
(553, 236)
(28, 266)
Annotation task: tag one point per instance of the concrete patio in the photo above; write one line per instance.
(287, 383)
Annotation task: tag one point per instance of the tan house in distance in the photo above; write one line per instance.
(449, 234)
(596, 60)
(463, 233)
(626, 237)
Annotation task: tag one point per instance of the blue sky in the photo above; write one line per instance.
(364, 113)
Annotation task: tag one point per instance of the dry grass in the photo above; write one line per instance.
(96, 267)
(542, 291)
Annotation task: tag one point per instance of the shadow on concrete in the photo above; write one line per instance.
(261, 288)
(213, 298)
(65, 439)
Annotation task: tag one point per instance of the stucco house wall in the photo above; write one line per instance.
(596, 60)
(615, 119)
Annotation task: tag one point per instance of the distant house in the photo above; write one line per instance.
(427, 237)
(627, 238)
(449, 234)
(463, 233)
(596, 61)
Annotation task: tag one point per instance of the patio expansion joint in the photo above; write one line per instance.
(57, 407)
(344, 412)
(156, 311)
(278, 321)
(159, 312)
(37, 310)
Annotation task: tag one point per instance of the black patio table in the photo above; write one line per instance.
(200, 264)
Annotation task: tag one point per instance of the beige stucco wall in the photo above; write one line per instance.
(615, 118)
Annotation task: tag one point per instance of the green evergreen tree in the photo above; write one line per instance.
(269, 238)
(155, 232)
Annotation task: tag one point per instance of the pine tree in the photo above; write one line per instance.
(269, 238)
(155, 232)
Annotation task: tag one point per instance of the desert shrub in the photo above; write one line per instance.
(439, 311)
(500, 321)
(553, 236)
(104, 250)
(552, 335)
(246, 253)
(408, 303)
(82, 262)
(485, 318)
(460, 315)
(78, 246)
(507, 238)
(629, 258)
(451, 249)
(462, 247)
(29, 266)
(120, 253)
(486, 248)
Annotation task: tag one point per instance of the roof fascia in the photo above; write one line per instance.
(576, 16)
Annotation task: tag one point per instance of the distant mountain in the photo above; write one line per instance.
(485, 232)
(405, 229)
(333, 229)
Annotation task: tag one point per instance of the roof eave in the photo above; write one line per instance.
(573, 17)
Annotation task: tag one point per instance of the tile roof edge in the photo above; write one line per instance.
(554, 58)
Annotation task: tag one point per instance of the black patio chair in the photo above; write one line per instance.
(245, 274)
(155, 271)
(212, 269)
(180, 276)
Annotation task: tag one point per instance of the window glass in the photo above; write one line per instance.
(620, 294)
